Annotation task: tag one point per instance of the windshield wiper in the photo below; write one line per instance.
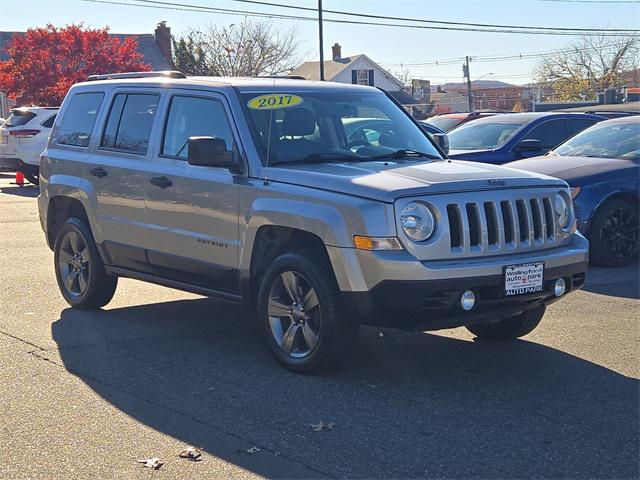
(404, 153)
(322, 157)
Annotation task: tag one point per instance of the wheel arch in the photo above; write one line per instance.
(625, 195)
(268, 243)
(68, 197)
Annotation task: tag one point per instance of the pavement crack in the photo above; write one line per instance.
(26, 342)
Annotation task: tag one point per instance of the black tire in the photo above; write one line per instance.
(613, 234)
(91, 286)
(509, 328)
(335, 332)
(33, 178)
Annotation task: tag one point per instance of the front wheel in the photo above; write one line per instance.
(509, 328)
(302, 315)
(614, 234)
(80, 272)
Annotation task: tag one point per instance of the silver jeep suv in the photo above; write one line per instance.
(320, 205)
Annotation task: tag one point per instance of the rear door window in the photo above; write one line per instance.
(576, 125)
(79, 119)
(550, 133)
(130, 121)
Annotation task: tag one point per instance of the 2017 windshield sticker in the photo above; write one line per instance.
(274, 101)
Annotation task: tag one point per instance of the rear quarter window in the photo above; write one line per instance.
(48, 123)
(78, 119)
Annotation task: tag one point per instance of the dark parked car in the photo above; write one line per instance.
(449, 121)
(602, 167)
(505, 138)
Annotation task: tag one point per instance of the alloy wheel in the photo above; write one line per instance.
(73, 262)
(294, 314)
(619, 234)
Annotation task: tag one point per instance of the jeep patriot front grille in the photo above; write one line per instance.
(496, 225)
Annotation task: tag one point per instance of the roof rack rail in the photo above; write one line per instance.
(286, 77)
(115, 76)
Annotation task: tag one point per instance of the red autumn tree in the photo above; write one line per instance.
(44, 62)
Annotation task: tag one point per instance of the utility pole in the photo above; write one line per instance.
(465, 70)
(321, 40)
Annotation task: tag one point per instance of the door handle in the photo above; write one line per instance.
(98, 172)
(162, 182)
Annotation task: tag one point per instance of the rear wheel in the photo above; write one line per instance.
(614, 234)
(509, 328)
(33, 178)
(80, 272)
(302, 315)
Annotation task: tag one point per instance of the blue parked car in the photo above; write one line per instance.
(602, 167)
(504, 138)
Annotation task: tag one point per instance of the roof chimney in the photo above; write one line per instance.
(337, 52)
(163, 40)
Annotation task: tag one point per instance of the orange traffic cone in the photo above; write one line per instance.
(20, 178)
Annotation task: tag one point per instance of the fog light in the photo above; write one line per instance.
(560, 287)
(468, 300)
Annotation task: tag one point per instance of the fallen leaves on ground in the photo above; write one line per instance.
(318, 427)
(154, 463)
(191, 453)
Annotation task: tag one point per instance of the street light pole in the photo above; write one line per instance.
(321, 40)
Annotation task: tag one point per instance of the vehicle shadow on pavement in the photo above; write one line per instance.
(26, 191)
(405, 405)
(617, 282)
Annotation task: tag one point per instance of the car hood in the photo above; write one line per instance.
(386, 181)
(571, 168)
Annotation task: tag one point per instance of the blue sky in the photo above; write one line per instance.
(386, 45)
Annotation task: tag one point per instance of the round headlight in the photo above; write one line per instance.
(418, 222)
(562, 210)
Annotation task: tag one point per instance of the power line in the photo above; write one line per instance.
(438, 22)
(496, 58)
(198, 8)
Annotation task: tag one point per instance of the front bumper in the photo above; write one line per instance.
(395, 291)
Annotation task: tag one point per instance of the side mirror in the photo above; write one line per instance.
(442, 139)
(529, 145)
(211, 152)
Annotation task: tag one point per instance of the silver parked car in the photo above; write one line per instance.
(252, 191)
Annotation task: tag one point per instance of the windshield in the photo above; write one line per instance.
(482, 135)
(618, 140)
(292, 127)
(444, 123)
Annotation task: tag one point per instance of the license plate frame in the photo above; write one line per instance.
(513, 282)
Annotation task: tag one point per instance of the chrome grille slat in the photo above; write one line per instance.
(549, 219)
(466, 238)
(539, 221)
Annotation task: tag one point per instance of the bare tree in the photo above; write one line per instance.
(244, 49)
(588, 65)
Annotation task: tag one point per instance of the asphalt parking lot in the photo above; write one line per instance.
(86, 394)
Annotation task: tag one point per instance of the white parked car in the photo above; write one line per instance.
(23, 137)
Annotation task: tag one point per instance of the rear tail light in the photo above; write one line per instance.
(24, 133)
